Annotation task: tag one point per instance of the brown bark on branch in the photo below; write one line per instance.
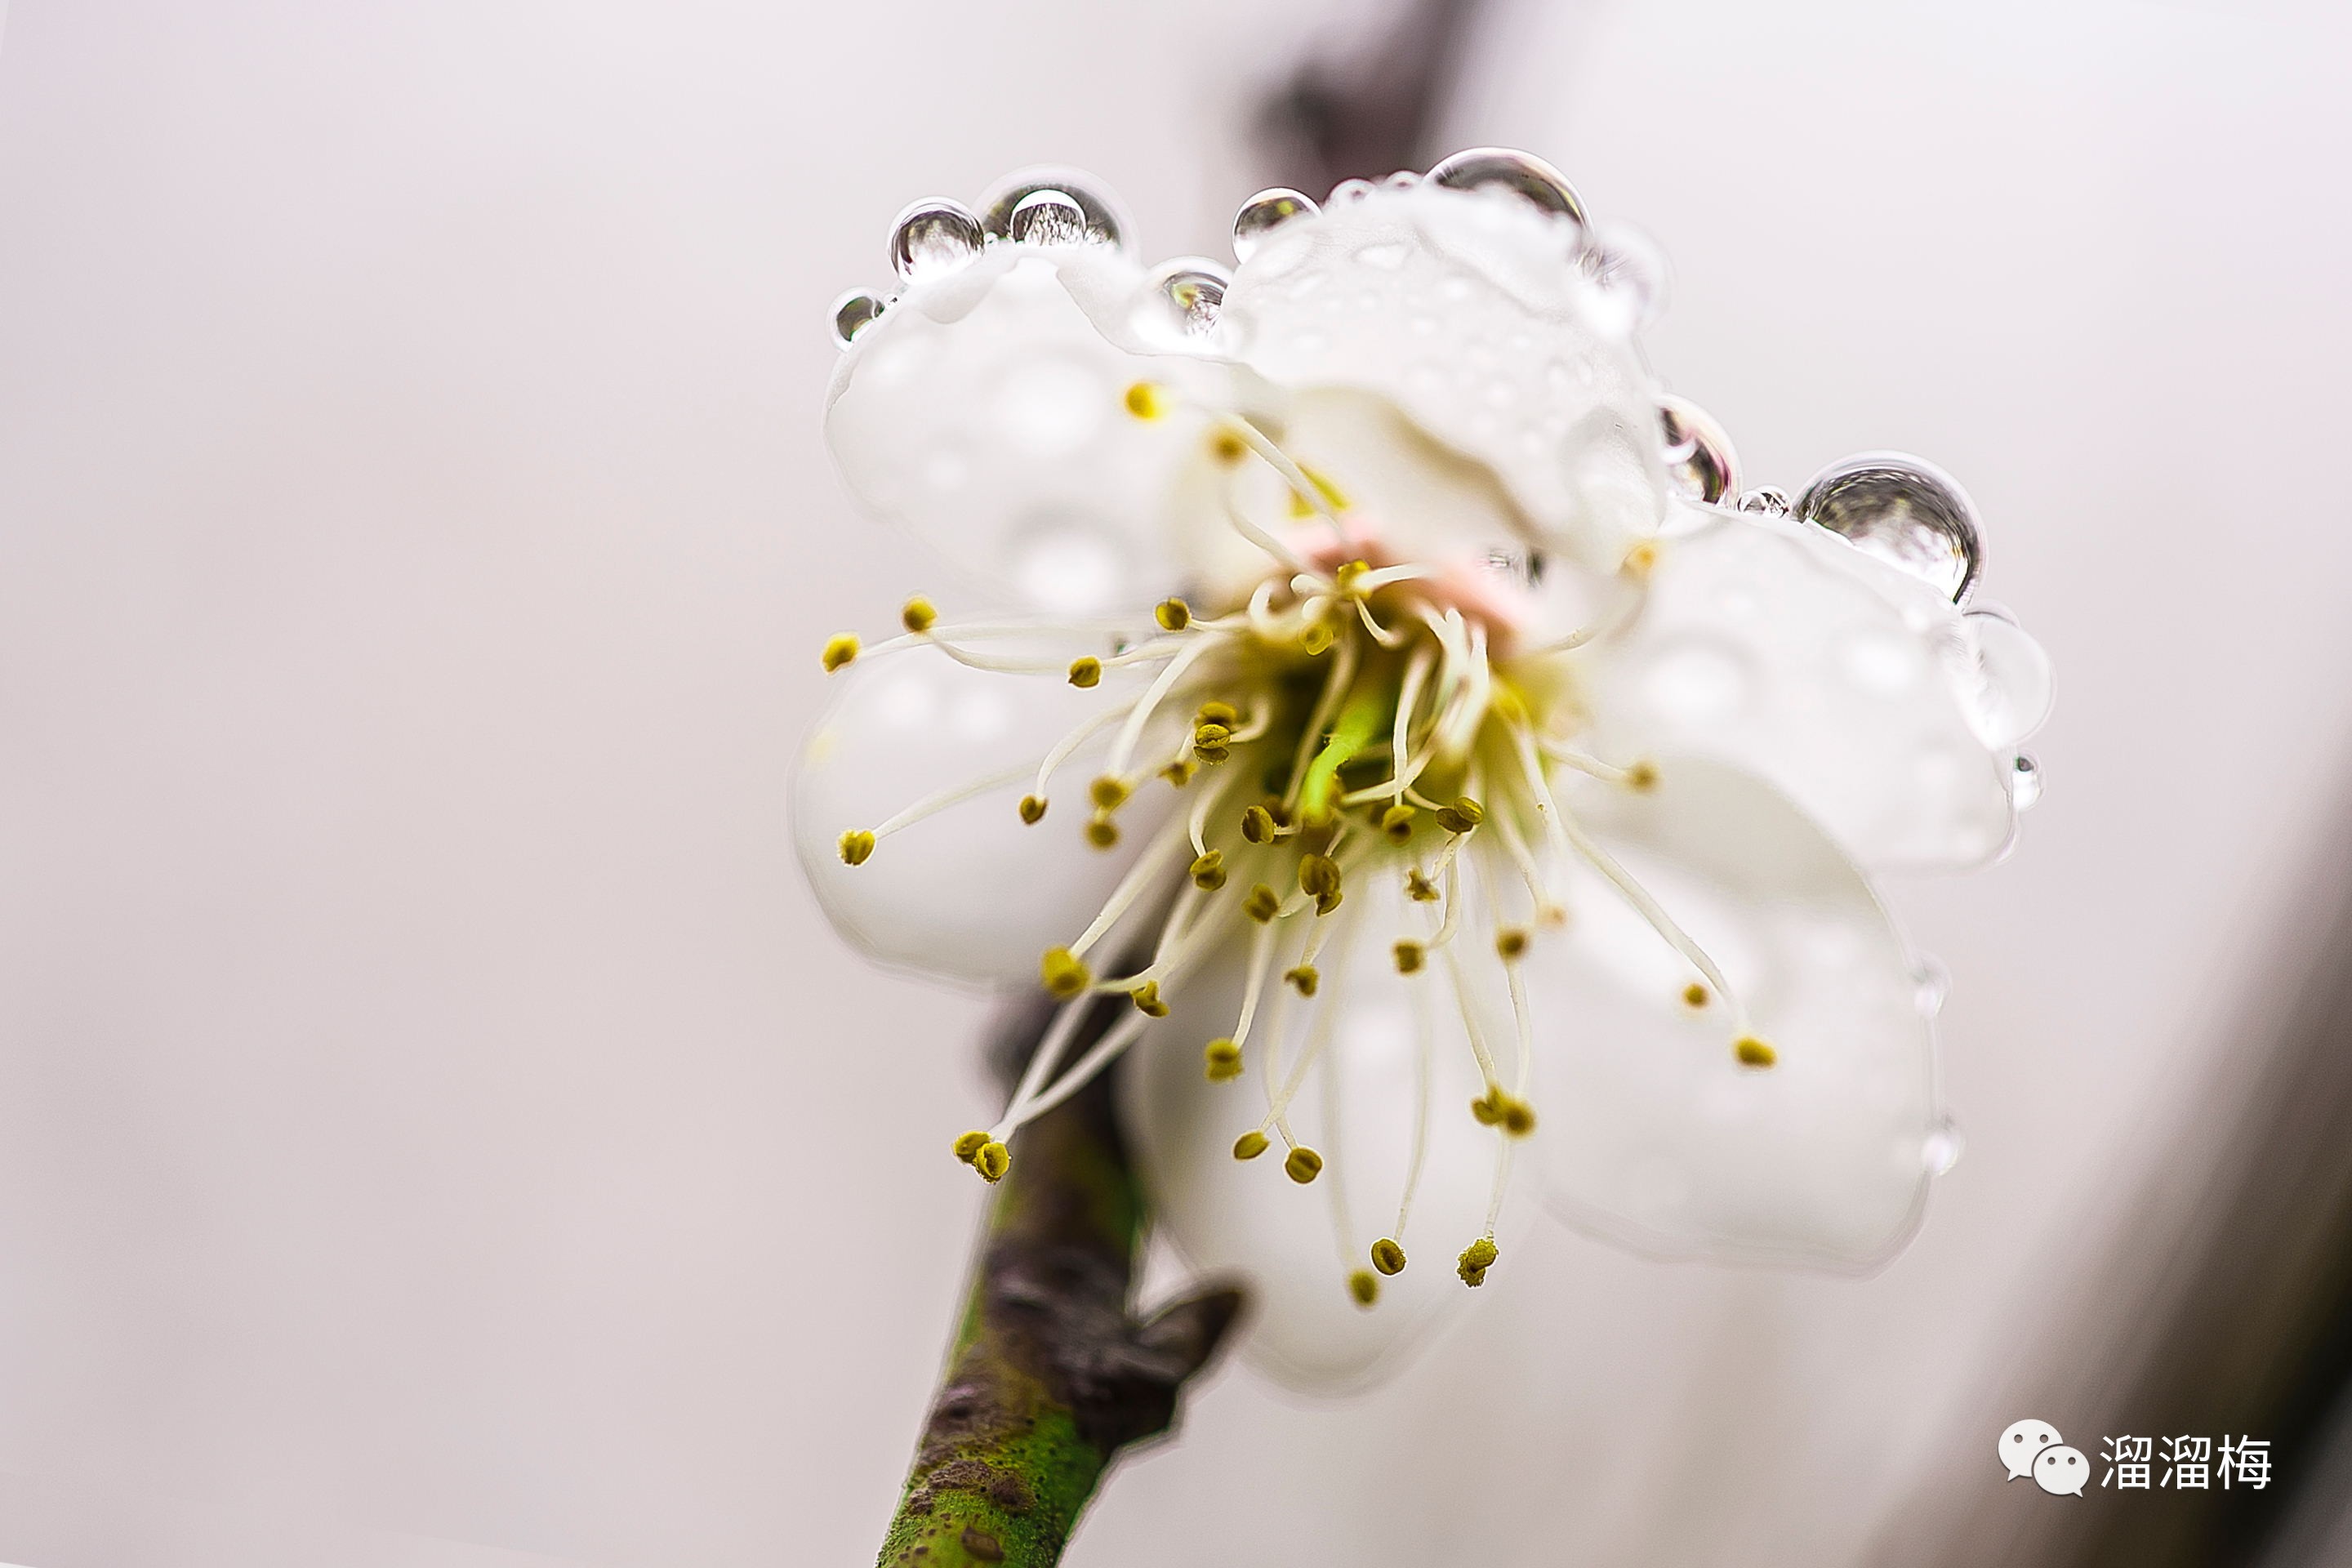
(1052, 1375)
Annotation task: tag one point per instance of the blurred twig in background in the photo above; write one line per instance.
(1367, 106)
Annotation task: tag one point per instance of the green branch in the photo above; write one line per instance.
(1051, 1375)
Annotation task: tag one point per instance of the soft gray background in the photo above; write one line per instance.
(431, 1111)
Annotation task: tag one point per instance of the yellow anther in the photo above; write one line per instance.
(1102, 833)
(1145, 400)
(839, 650)
(1642, 559)
(1262, 903)
(855, 846)
(1519, 1117)
(1364, 1286)
(1180, 772)
(1085, 672)
(1033, 809)
(1212, 743)
(1063, 974)
(1110, 792)
(1301, 506)
(1303, 1165)
(1304, 978)
(1510, 942)
(1325, 902)
(992, 1162)
(1396, 823)
(1419, 888)
(1213, 712)
(1693, 994)
(1488, 1107)
(1147, 1001)
(1348, 574)
(1409, 956)
(1462, 815)
(917, 614)
(1249, 1145)
(1316, 640)
(1642, 777)
(1228, 447)
(968, 1146)
(1257, 825)
(1209, 871)
(1475, 1259)
(1753, 1052)
(1318, 875)
(1173, 614)
(1221, 1059)
(1388, 1257)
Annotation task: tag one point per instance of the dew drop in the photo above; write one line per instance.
(1905, 512)
(1930, 983)
(1699, 459)
(1943, 1147)
(1047, 217)
(853, 312)
(2024, 783)
(2012, 691)
(1182, 298)
(933, 236)
(1103, 223)
(1522, 173)
(1632, 271)
(1767, 500)
(1350, 190)
(1265, 212)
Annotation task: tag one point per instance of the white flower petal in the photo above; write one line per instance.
(1777, 647)
(985, 410)
(1652, 1135)
(1467, 311)
(1249, 1217)
(973, 893)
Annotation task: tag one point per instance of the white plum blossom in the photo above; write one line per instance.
(1383, 690)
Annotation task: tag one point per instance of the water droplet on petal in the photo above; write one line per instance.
(1930, 983)
(1265, 212)
(853, 312)
(1104, 223)
(1350, 190)
(933, 236)
(1905, 512)
(1402, 180)
(1943, 1147)
(1522, 173)
(1047, 217)
(2012, 691)
(1631, 269)
(2024, 783)
(1699, 459)
(1770, 500)
(1181, 300)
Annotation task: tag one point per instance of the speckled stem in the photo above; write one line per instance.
(1051, 1376)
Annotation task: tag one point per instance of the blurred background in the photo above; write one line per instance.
(436, 1129)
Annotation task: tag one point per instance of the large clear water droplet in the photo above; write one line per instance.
(1765, 500)
(1943, 1147)
(1265, 212)
(1699, 459)
(1903, 510)
(2024, 783)
(1104, 223)
(853, 312)
(1182, 298)
(933, 236)
(1930, 983)
(1523, 173)
(1047, 217)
